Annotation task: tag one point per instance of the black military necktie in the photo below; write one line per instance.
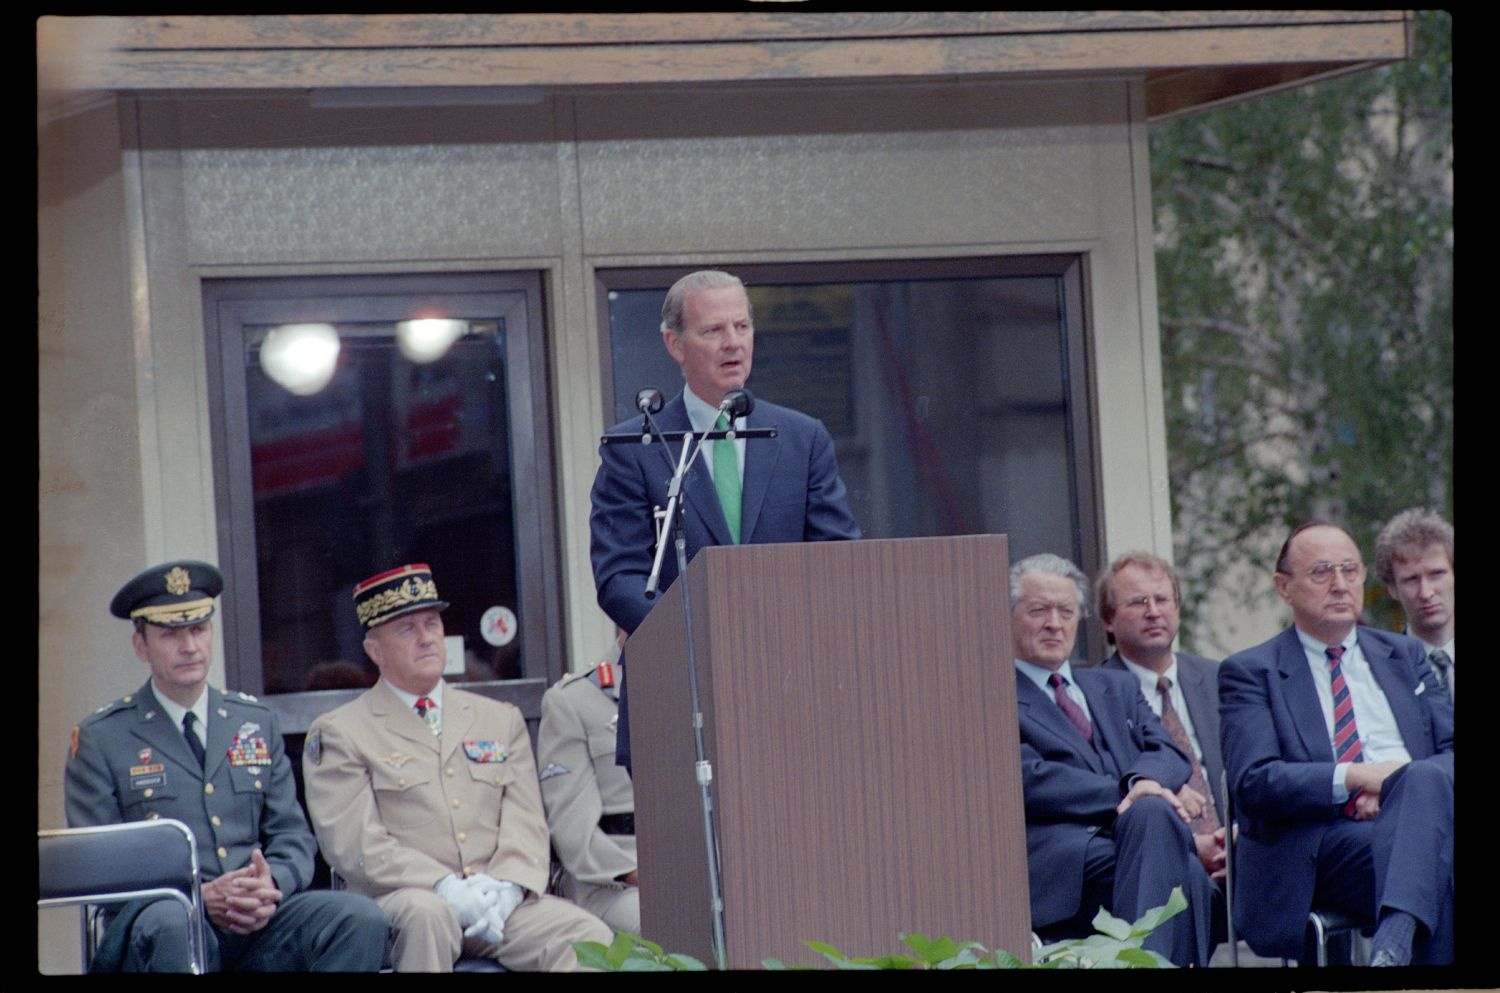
(192, 737)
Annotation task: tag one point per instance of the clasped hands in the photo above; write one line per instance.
(481, 903)
(244, 900)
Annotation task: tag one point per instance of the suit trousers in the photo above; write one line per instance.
(1395, 862)
(312, 931)
(1133, 868)
(539, 934)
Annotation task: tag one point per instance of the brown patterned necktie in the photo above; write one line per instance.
(1208, 821)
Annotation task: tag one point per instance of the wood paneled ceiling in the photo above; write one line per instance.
(1189, 60)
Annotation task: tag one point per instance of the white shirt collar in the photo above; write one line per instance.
(1149, 677)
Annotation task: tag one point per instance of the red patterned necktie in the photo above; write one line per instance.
(427, 709)
(1070, 709)
(1346, 746)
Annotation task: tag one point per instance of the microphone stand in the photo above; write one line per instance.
(675, 514)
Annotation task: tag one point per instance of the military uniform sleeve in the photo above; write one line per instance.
(88, 784)
(573, 799)
(341, 799)
(285, 840)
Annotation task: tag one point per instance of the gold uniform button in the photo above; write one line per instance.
(208, 789)
(150, 793)
(257, 784)
(223, 852)
(450, 770)
(400, 782)
(152, 816)
(463, 836)
(214, 820)
(456, 804)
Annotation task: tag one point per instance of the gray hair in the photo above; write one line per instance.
(1407, 536)
(693, 282)
(1054, 565)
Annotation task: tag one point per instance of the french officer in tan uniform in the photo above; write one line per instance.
(590, 803)
(425, 798)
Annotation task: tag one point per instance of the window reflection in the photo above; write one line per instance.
(392, 461)
(953, 402)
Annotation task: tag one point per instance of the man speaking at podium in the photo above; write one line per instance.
(764, 491)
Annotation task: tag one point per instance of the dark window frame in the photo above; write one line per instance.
(230, 304)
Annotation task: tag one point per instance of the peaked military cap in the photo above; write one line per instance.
(397, 591)
(173, 595)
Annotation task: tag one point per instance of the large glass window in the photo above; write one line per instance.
(364, 424)
(956, 391)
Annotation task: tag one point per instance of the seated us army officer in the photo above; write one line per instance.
(180, 748)
(425, 797)
(589, 799)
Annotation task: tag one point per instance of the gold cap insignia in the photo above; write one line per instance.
(177, 581)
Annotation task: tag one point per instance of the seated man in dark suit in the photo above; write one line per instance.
(1139, 600)
(772, 490)
(1339, 746)
(1104, 823)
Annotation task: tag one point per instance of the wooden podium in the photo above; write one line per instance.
(859, 713)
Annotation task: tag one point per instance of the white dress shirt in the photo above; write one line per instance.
(1379, 737)
(1148, 678)
(703, 416)
(1040, 674)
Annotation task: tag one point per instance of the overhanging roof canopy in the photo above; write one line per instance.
(1188, 59)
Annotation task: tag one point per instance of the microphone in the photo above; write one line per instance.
(649, 400)
(737, 403)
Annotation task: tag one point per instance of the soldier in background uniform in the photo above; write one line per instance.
(179, 748)
(590, 804)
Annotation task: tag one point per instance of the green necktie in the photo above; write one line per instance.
(727, 479)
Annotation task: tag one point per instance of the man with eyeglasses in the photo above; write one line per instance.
(1105, 824)
(1339, 747)
(1139, 600)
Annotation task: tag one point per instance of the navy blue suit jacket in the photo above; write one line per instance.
(1071, 790)
(791, 492)
(1280, 765)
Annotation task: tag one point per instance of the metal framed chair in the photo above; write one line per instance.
(1325, 928)
(96, 867)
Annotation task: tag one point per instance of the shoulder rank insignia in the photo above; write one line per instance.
(73, 743)
(606, 675)
(554, 769)
(486, 751)
(246, 696)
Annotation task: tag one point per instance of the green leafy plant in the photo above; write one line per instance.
(631, 953)
(1116, 946)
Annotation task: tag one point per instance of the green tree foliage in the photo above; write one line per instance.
(1305, 269)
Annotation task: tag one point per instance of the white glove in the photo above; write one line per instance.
(507, 897)
(470, 903)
